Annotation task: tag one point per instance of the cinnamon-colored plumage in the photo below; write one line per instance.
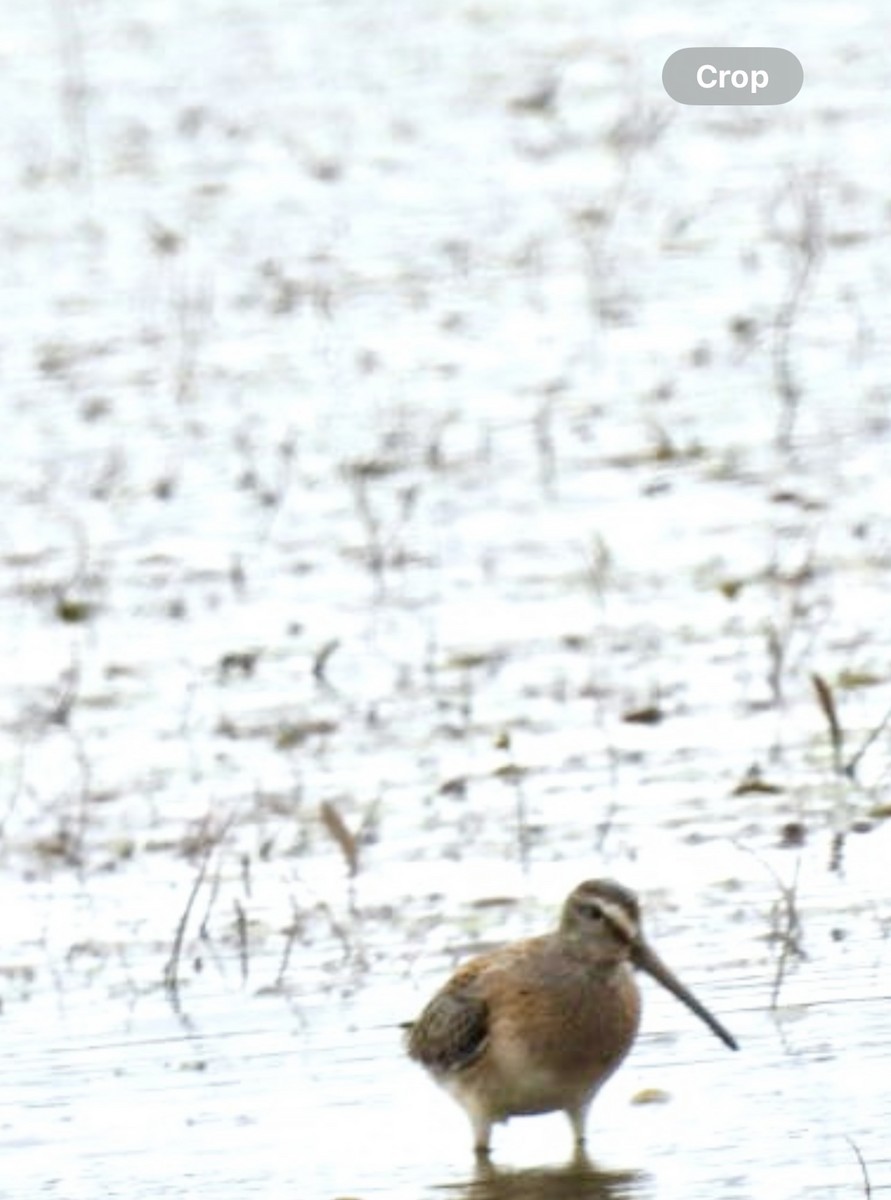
(539, 1025)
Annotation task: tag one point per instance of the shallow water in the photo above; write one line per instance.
(414, 506)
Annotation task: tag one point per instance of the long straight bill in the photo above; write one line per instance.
(648, 960)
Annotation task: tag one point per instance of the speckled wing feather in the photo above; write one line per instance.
(453, 1029)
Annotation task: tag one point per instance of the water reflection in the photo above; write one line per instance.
(579, 1179)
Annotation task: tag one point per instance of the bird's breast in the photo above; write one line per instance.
(561, 1030)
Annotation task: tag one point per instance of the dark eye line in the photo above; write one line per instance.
(595, 912)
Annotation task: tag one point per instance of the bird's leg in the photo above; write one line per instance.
(577, 1118)
(482, 1131)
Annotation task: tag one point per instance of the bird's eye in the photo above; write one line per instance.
(593, 912)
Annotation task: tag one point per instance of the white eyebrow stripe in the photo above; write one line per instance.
(621, 921)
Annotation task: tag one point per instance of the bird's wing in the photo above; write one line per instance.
(453, 1029)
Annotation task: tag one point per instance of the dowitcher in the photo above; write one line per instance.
(540, 1025)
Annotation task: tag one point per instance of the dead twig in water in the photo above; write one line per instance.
(241, 928)
(826, 700)
(209, 842)
(786, 923)
(292, 932)
(340, 833)
(844, 770)
(320, 663)
(798, 624)
(353, 952)
(867, 1186)
(852, 765)
(171, 967)
(787, 929)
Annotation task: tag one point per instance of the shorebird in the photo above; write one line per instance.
(540, 1025)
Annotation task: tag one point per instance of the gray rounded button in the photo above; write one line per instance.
(732, 75)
